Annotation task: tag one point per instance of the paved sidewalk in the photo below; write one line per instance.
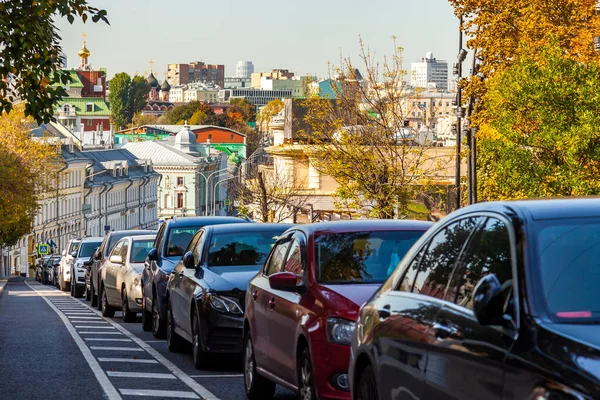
(2, 285)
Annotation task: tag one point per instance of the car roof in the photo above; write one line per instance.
(194, 221)
(365, 225)
(541, 209)
(232, 228)
(132, 232)
(92, 239)
(140, 237)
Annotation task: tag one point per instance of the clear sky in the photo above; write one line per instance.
(302, 36)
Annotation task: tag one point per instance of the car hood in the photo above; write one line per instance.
(347, 299)
(168, 264)
(230, 278)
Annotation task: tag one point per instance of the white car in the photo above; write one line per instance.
(81, 262)
(121, 276)
(64, 270)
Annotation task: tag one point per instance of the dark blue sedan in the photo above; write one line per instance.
(172, 239)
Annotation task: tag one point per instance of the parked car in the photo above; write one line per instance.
(92, 281)
(172, 239)
(51, 269)
(64, 270)
(48, 269)
(121, 276)
(497, 301)
(81, 261)
(39, 268)
(206, 291)
(302, 307)
(55, 280)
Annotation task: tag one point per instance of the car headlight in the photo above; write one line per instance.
(224, 304)
(340, 331)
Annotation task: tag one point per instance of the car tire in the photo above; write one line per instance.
(175, 343)
(201, 358)
(88, 294)
(107, 309)
(257, 387)
(367, 385)
(146, 316)
(159, 330)
(128, 315)
(306, 382)
(94, 296)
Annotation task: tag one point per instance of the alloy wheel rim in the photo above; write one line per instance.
(195, 340)
(249, 370)
(305, 373)
(155, 316)
(104, 300)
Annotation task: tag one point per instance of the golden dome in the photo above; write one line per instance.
(84, 52)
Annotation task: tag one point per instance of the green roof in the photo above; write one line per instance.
(74, 78)
(100, 106)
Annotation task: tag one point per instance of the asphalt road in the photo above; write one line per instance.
(53, 346)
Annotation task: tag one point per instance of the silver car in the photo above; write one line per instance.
(121, 276)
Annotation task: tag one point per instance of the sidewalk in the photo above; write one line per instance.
(2, 284)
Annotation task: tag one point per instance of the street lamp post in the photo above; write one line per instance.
(462, 54)
(214, 206)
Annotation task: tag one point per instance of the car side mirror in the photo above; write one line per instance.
(88, 262)
(287, 282)
(153, 255)
(188, 260)
(487, 301)
(116, 259)
(97, 255)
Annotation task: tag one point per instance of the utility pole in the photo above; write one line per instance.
(459, 109)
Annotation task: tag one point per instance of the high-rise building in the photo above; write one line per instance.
(275, 74)
(181, 74)
(429, 73)
(244, 69)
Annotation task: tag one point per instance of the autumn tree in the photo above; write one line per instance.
(359, 138)
(28, 169)
(30, 67)
(270, 110)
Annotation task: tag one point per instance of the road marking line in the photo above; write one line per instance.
(106, 340)
(109, 389)
(217, 376)
(73, 317)
(76, 313)
(158, 393)
(128, 360)
(152, 375)
(115, 348)
(155, 341)
(91, 322)
(175, 370)
(100, 333)
(92, 326)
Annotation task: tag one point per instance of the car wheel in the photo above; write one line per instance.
(306, 385)
(128, 315)
(257, 387)
(367, 387)
(158, 325)
(200, 356)
(107, 310)
(175, 342)
(72, 290)
(146, 316)
(88, 294)
(94, 296)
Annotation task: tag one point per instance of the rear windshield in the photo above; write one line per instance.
(568, 254)
(140, 250)
(87, 249)
(249, 248)
(361, 257)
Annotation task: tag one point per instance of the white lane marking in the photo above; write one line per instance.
(158, 393)
(77, 313)
(152, 375)
(100, 333)
(91, 322)
(217, 376)
(182, 376)
(115, 348)
(127, 360)
(106, 340)
(155, 341)
(84, 318)
(109, 389)
(92, 326)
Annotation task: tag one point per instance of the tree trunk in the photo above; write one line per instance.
(264, 209)
(2, 272)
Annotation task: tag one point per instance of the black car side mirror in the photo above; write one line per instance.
(188, 260)
(487, 301)
(153, 255)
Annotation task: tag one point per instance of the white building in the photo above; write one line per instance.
(429, 73)
(244, 69)
(196, 91)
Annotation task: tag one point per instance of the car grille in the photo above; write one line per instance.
(225, 339)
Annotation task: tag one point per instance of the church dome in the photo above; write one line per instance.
(84, 52)
(152, 80)
(185, 139)
(165, 87)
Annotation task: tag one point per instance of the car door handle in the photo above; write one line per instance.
(444, 331)
(272, 303)
(384, 312)
(255, 295)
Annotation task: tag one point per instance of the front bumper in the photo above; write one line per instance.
(222, 333)
(330, 360)
(134, 297)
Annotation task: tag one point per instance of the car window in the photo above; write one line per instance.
(117, 249)
(489, 254)
(178, 240)
(124, 249)
(276, 259)
(197, 246)
(140, 249)
(408, 280)
(250, 248)
(86, 250)
(438, 261)
(73, 248)
(158, 242)
(293, 263)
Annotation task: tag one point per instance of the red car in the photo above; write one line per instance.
(302, 307)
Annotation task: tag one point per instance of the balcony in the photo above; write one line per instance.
(67, 114)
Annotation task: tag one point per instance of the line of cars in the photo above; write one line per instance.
(497, 300)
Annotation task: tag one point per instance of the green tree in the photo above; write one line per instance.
(30, 50)
(245, 108)
(201, 115)
(180, 114)
(138, 93)
(539, 131)
(119, 99)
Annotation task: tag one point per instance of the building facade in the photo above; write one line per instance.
(258, 97)
(181, 74)
(236, 82)
(244, 69)
(429, 73)
(298, 85)
(256, 77)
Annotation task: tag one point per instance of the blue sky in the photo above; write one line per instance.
(300, 36)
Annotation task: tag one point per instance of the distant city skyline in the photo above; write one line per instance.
(273, 35)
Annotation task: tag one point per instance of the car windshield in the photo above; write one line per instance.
(249, 248)
(569, 264)
(140, 250)
(87, 249)
(361, 257)
(178, 240)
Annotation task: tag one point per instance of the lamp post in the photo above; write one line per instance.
(214, 206)
(460, 111)
(206, 181)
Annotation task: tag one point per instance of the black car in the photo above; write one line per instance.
(48, 270)
(92, 277)
(172, 239)
(496, 301)
(39, 268)
(55, 266)
(206, 291)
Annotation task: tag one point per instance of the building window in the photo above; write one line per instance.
(89, 122)
(179, 200)
(89, 107)
(180, 181)
(167, 181)
(232, 136)
(210, 135)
